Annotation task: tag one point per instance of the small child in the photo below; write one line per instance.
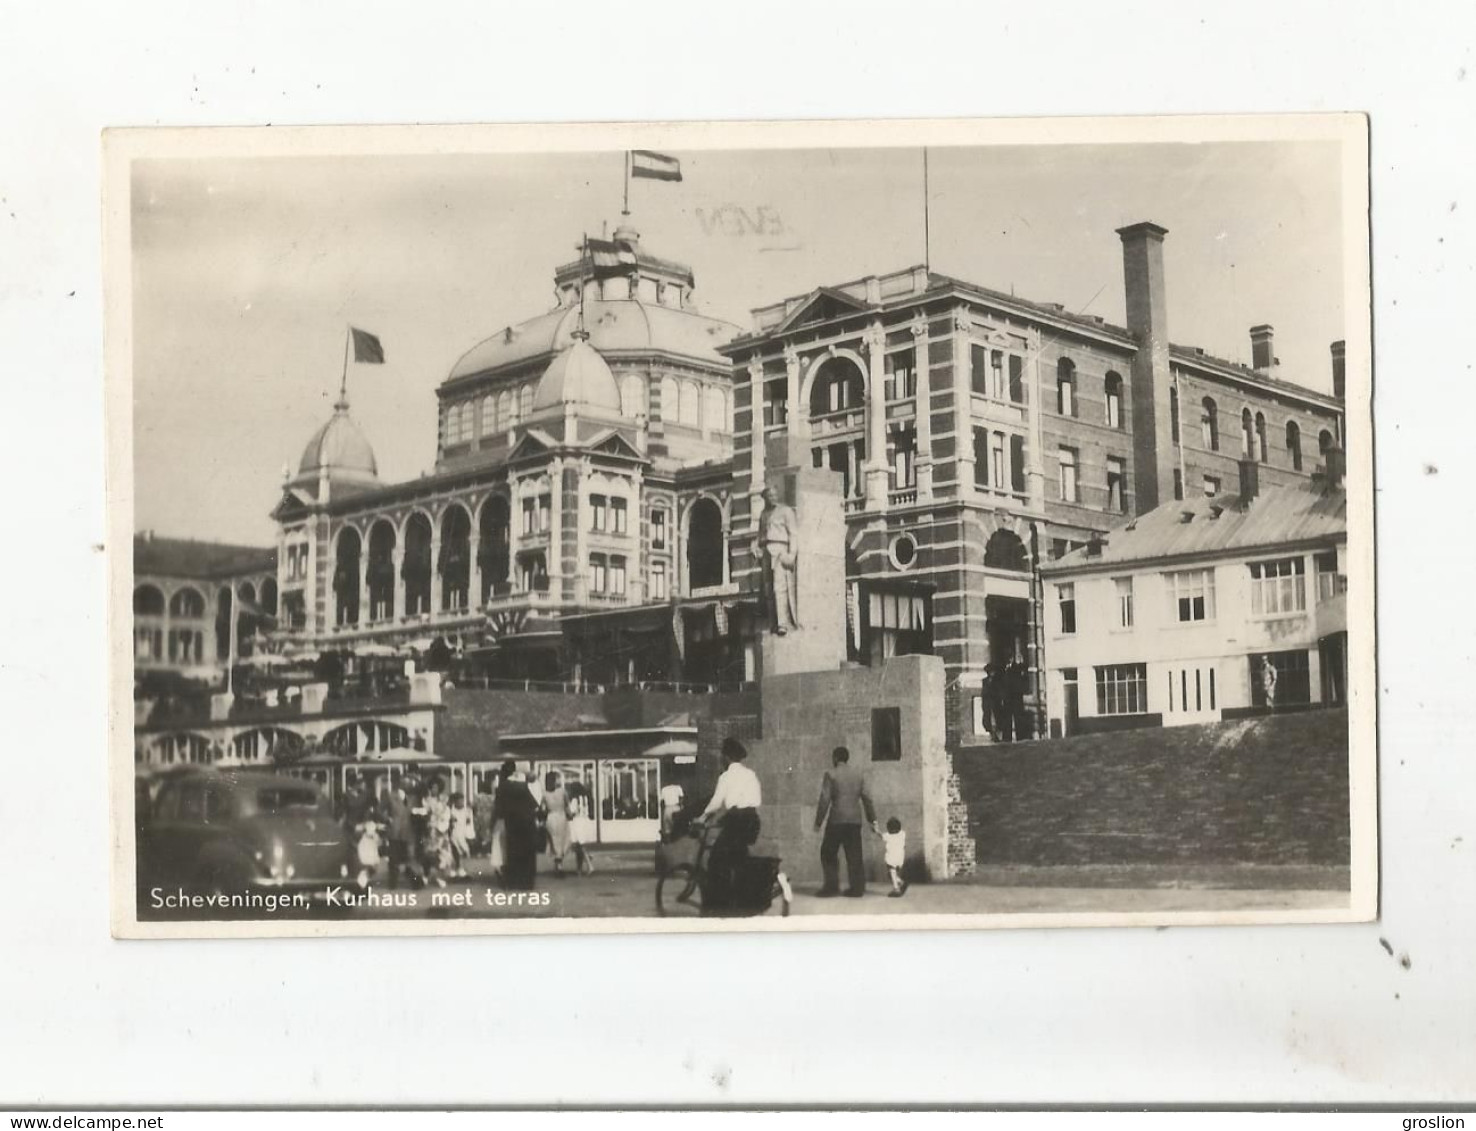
(895, 852)
(462, 824)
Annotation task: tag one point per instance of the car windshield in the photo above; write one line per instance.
(287, 799)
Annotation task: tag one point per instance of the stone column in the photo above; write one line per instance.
(963, 404)
(1035, 453)
(474, 565)
(875, 468)
(309, 585)
(399, 559)
(435, 562)
(923, 412)
(514, 532)
(797, 422)
(757, 456)
(365, 611)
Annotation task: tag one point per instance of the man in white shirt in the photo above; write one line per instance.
(736, 803)
(672, 797)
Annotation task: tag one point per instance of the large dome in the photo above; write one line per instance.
(578, 376)
(339, 447)
(614, 326)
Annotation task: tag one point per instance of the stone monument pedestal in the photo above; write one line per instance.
(819, 644)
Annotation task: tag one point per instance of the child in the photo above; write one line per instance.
(895, 852)
(462, 824)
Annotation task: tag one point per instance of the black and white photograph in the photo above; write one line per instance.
(820, 526)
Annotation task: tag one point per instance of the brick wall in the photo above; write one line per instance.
(1257, 791)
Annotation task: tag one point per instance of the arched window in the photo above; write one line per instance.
(1066, 387)
(454, 565)
(1324, 441)
(838, 387)
(669, 400)
(492, 547)
(1294, 444)
(269, 596)
(1209, 424)
(148, 601)
(223, 612)
(1174, 413)
(507, 410)
(416, 569)
(1113, 389)
(1261, 450)
(489, 415)
(632, 396)
(347, 563)
(714, 415)
(187, 604)
(381, 571)
(1247, 436)
(525, 402)
(1004, 550)
(705, 550)
(690, 411)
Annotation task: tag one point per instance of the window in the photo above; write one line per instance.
(1122, 689)
(1017, 378)
(996, 374)
(981, 457)
(1066, 603)
(901, 376)
(530, 516)
(902, 453)
(632, 396)
(1124, 587)
(1329, 581)
(1116, 485)
(507, 409)
(689, 409)
(1278, 588)
(597, 572)
(1069, 493)
(1017, 464)
(1113, 389)
(597, 505)
(545, 513)
(1247, 434)
(617, 516)
(1261, 450)
(979, 369)
(1191, 595)
(658, 528)
(1211, 486)
(1210, 425)
(1292, 682)
(1178, 484)
(714, 409)
(886, 734)
(458, 423)
(997, 460)
(1324, 441)
(669, 398)
(533, 571)
(1066, 388)
(898, 624)
(1294, 444)
(617, 576)
(489, 415)
(1174, 413)
(525, 402)
(658, 581)
(776, 402)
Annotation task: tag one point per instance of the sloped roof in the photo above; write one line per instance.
(1277, 516)
(184, 557)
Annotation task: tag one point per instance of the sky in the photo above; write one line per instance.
(246, 272)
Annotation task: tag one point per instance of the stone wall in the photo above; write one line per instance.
(1272, 790)
(806, 715)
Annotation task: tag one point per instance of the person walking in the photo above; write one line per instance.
(400, 828)
(481, 808)
(435, 832)
(844, 800)
(736, 803)
(516, 813)
(556, 820)
(581, 826)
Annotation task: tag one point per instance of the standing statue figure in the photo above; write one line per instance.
(779, 533)
(1268, 680)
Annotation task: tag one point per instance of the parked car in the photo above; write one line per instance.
(236, 830)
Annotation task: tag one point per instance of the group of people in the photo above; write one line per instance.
(425, 836)
(1005, 715)
(844, 808)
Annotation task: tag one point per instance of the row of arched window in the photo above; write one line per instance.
(1253, 442)
(189, 603)
(1068, 402)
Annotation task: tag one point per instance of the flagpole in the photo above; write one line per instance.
(348, 336)
(625, 207)
(927, 220)
(582, 285)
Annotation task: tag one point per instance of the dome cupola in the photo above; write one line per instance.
(578, 377)
(339, 449)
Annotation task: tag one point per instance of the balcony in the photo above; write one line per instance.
(829, 423)
(903, 498)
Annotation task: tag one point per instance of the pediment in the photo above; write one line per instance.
(823, 305)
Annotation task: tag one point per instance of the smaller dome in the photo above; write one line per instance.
(340, 447)
(578, 376)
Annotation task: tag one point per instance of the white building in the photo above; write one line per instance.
(1175, 616)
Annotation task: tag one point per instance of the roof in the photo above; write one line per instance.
(1277, 516)
(183, 557)
(628, 325)
(578, 376)
(340, 447)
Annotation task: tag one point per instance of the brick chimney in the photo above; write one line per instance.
(1250, 481)
(1339, 366)
(1147, 321)
(1263, 348)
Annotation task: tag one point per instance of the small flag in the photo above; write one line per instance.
(367, 349)
(612, 256)
(656, 166)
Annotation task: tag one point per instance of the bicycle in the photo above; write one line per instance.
(679, 889)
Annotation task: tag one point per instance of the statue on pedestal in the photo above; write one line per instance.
(779, 535)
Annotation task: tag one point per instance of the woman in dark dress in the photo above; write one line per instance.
(517, 812)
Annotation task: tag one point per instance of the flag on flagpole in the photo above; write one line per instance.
(367, 349)
(611, 257)
(655, 166)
